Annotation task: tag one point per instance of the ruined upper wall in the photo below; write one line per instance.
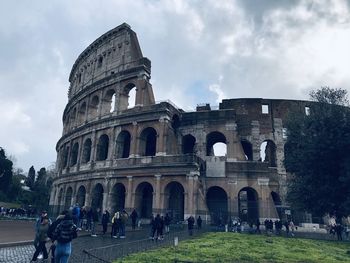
(115, 51)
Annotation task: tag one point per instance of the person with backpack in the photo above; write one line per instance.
(42, 238)
(64, 233)
(52, 228)
(105, 221)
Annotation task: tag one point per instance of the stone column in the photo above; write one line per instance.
(190, 195)
(81, 146)
(162, 136)
(100, 105)
(86, 117)
(157, 194)
(134, 151)
(74, 194)
(129, 202)
(88, 195)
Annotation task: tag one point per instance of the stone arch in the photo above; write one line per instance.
(102, 148)
(217, 203)
(148, 142)
(248, 149)
(127, 97)
(97, 197)
(86, 151)
(118, 197)
(123, 145)
(248, 204)
(73, 116)
(65, 156)
(74, 154)
(93, 108)
(81, 195)
(82, 112)
(277, 202)
(108, 105)
(188, 144)
(68, 198)
(60, 197)
(268, 153)
(144, 199)
(174, 198)
(216, 144)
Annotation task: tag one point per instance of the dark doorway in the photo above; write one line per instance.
(118, 197)
(123, 145)
(144, 199)
(217, 205)
(248, 205)
(97, 197)
(174, 198)
(81, 196)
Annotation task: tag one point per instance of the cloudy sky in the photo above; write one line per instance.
(201, 51)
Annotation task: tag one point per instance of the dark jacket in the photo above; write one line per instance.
(53, 226)
(65, 231)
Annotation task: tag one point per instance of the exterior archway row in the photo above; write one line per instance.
(148, 197)
(109, 100)
(216, 142)
(102, 146)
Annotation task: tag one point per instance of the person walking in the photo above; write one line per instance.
(153, 224)
(94, 222)
(124, 218)
(41, 238)
(115, 225)
(199, 222)
(105, 221)
(190, 224)
(167, 220)
(64, 233)
(134, 217)
(76, 214)
(37, 227)
(52, 228)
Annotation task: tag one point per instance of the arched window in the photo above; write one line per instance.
(74, 154)
(144, 199)
(82, 112)
(175, 201)
(97, 197)
(216, 144)
(148, 142)
(81, 196)
(127, 98)
(123, 145)
(248, 150)
(102, 148)
(93, 110)
(268, 153)
(188, 144)
(108, 105)
(118, 197)
(86, 151)
(68, 199)
(65, 157)
(72, 116)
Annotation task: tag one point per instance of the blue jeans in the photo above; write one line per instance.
(62, 252)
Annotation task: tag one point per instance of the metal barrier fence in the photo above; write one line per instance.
(113, 252)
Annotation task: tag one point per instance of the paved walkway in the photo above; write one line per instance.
(23, 254)
(16, 231)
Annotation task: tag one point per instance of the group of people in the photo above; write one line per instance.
(60, 232)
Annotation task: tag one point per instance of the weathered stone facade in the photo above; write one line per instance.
(156, 157)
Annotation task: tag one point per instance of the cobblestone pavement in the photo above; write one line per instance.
(23, 254)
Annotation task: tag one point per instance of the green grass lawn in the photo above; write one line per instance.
(233, 247)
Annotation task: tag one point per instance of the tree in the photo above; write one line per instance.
(31, 177)
(317, 154)
(5, 171)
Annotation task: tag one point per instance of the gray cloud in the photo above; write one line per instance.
(201, 51)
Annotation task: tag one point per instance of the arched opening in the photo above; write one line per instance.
(74, 154)
(248, 150)
(59, 199)
(97, 197)
(82, 112)
(86, 151)
(148, 142)
(118, 197)
(81, 196)
(175, 201)
(216, 144)
(73, 116)
(248, 205)
(268, 153)
(68, 199)
(144, 199)
(93, 109)
(217, 205)
(132, 97)
(188, 144)
(65, 157)
(123, 145)
(102, 148)
(278, 203)
(109, 102)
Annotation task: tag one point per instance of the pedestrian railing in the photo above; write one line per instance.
(112, 252)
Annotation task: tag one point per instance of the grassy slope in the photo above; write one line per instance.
(231, 247)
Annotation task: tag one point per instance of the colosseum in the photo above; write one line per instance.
(120, 149)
